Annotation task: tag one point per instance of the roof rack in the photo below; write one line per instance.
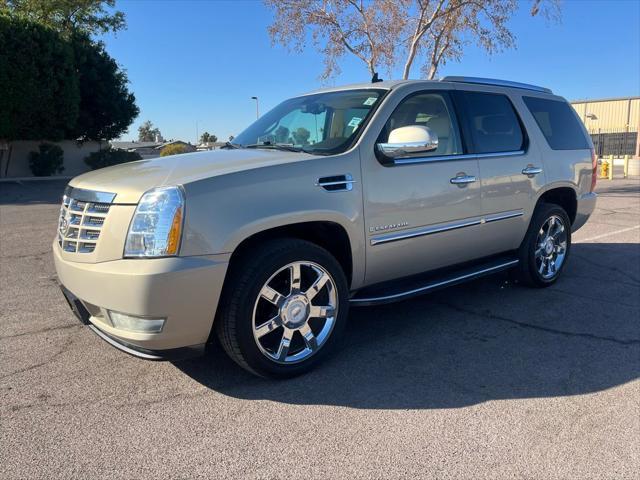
(493, 81)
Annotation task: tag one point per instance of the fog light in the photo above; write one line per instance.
(136, 324)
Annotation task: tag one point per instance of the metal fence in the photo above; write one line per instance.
(616, 142)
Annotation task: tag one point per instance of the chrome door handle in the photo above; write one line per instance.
(462, 179)
(531, 170)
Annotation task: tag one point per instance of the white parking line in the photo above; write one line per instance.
(597, 237)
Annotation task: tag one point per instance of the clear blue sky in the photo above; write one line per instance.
(202, 60)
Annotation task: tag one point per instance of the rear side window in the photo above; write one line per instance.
(493, 123)
(558, 122)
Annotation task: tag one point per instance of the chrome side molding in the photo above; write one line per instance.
(394, 237)
(430, 230)
(494, 217)
(453, 158)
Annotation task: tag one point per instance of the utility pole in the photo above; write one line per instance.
(257, 107)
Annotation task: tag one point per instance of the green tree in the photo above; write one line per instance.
(58, 87)
(107, 108)
(147, 132)
(40, 88)
(47, 160)
(173, 149)
(301, 136)
(69, 16)
(207, 137)
(282, 134)
(110, 156)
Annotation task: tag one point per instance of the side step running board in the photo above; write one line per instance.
(407, 288)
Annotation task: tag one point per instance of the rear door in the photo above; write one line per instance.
(510, 166)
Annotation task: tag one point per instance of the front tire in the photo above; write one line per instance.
(283, 308)
(545, 249)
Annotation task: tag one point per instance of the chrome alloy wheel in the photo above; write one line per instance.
(551, 247)
(290, 327)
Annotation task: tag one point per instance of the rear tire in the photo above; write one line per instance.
(545, 249)
(283, 308)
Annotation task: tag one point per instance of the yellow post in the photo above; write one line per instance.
(626, 166)
(610, 167)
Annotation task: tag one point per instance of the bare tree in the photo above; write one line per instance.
(370, 30)
(463, 22)
(382, 32)
(441, 28)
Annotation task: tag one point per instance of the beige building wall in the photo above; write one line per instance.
(610, 115)
(74, 155)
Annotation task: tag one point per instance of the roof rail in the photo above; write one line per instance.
(493, 81)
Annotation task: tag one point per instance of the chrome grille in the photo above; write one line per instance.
(80, 222)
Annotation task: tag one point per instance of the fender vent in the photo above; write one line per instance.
(336, 183)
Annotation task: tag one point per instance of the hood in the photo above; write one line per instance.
(129, 181)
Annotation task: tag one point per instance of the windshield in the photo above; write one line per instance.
(325, 123)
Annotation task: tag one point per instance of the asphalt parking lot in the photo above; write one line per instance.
(484, 380)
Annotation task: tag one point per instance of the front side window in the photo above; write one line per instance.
(558, 122)
(325, 123)
(493, 123)
(431, 110)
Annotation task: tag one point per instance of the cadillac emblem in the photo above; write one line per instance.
(64, 224)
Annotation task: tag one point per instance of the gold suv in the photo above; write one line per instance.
(344, 197)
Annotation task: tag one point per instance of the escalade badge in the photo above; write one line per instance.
(391, 226)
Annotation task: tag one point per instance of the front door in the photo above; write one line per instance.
(421, 212)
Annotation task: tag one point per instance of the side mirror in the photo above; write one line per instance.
(408, 141)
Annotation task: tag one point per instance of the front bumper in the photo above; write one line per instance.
(586, 206)
(184, 290)
(172, 354)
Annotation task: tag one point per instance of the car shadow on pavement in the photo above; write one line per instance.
(487, 340)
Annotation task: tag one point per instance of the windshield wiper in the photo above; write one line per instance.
(276, 146)
(230, 145)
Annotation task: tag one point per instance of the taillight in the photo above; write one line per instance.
(594, 165)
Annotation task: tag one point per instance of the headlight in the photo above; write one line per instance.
(156, 227)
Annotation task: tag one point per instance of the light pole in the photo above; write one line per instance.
(257, 107)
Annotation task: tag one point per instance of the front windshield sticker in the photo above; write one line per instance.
(370, 101)
(355, 121)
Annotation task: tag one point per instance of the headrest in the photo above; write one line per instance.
(440, 124)
(496, 124)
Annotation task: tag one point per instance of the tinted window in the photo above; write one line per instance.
(558, 123)
(431, 110)
(493, 123)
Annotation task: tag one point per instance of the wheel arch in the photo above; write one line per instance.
(562, 195)
(328, 234)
